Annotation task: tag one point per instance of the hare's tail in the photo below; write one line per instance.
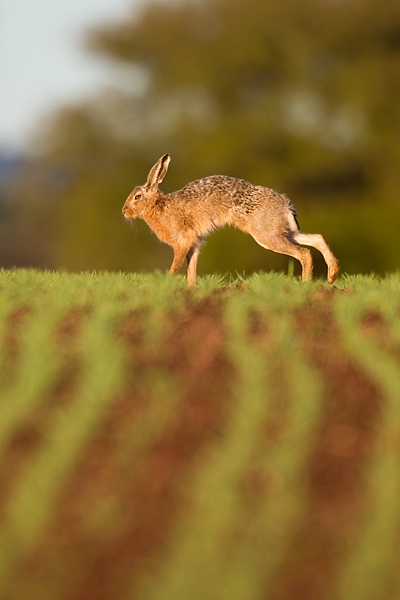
(293, 220)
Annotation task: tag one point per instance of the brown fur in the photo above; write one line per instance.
(184, 218)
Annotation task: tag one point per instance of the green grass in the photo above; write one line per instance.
(239, 440)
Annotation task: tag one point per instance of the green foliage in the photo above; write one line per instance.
(369, 572)
(30, 507)
(192, 442)
(200, 563)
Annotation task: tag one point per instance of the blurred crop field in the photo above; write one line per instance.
(238, 441)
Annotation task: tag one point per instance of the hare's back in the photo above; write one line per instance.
(233, 192)
(216, 185)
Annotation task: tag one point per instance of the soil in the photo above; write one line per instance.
(142, 503)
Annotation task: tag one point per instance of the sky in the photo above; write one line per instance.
(42, 63)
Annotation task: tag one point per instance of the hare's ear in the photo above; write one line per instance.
(158, 172)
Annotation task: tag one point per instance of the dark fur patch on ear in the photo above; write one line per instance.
(163, 160)
(158, 171)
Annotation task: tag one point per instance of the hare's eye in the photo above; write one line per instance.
(138, 196)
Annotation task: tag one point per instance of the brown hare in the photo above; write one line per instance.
(183, 218)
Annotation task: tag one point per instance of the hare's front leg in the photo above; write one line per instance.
(191, 258)
(180, 253)
(191, 253)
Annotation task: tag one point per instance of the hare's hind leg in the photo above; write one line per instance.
(283, 245)
(315, 240)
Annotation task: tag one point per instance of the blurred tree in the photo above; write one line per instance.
(299, 95)
(27, 217)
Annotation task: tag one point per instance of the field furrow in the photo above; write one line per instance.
(235, 441)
